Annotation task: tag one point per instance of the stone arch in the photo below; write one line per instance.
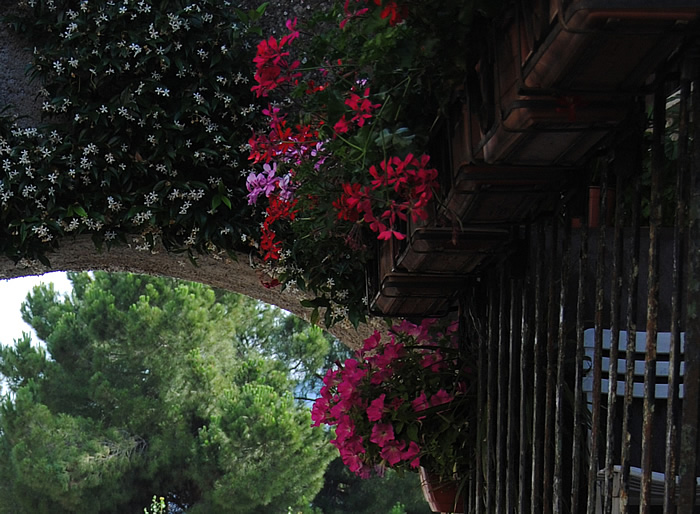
(224, 272)
(80, 254)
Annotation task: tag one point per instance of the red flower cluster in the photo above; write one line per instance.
(362, 108)
(372, 402)
(410, 178)
(272, 66)
(391, 10)
(277, 209)
(282, 143)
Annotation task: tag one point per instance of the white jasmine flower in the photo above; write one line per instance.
(140, 217)
(43, 233)
(28, 190)
(113, 205)
(185, 206)
(150, 198)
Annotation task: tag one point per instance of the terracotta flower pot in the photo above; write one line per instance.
(441, 496)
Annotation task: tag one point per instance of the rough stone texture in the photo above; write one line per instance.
(80, 254)
(15, 90)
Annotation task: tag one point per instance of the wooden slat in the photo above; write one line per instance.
(689, 427)
(512, 442)
(580, 430)
(552, 330)
(679, 248)
(502, 399)
(560, 495)
(597, 352)
(538, 378)
(526, 381)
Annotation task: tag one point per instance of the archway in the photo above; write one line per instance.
(88, 248)
(80, 254)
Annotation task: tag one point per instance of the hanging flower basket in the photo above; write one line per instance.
(452, 251)
(494, 195)
(397, 292)
(441, 496)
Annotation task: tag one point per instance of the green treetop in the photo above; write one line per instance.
(150, 386)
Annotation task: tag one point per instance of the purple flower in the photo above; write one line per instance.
(286, 187)
(261, 183)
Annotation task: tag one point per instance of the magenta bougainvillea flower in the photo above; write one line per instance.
(403, 402)
(375, 411)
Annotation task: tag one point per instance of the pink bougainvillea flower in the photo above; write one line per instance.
(452, 327)
(381, 375)
(375, 411)
(319, 411)
(352, 461)
(340, 409)
(365, 472)
(353, 372)
(411, 454)
(331, 378)
(346, 389)
(392, 351)
(392, 451)
(345, 429)
(406, 327)
(351, 446)
(371, 342)
(382, 433)
(440, 398)
(396, 403)
(420, 403)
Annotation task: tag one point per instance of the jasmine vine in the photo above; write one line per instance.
(147, 110)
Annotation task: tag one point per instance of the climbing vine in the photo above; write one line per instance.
(147, 110)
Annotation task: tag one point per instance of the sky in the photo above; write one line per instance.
(12, 294)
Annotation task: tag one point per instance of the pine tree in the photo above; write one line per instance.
(146, 386)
